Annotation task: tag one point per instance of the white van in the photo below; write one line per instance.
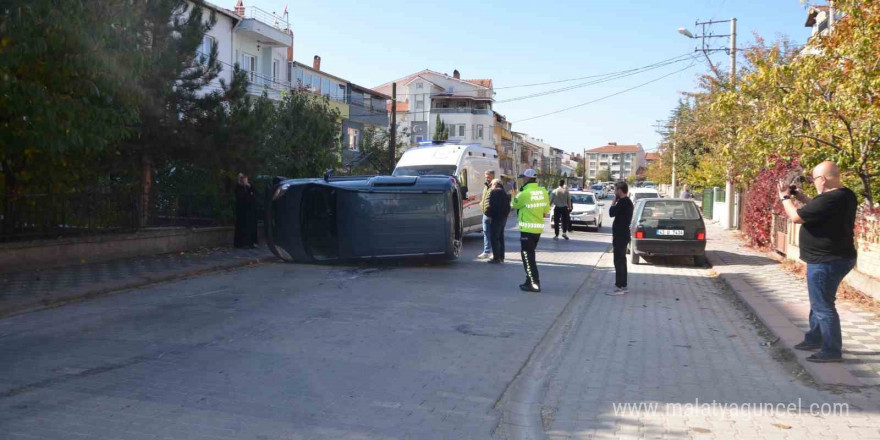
(466, 162)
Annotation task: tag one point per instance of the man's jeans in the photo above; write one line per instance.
(487, 237)
(822, 282)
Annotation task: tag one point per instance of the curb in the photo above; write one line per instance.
(788, 333)
(108, 288)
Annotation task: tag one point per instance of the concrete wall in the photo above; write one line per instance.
(44, 253)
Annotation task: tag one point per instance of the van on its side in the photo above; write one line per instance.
(466, 162)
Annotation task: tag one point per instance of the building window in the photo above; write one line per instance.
(205, 48)
(316, 83)
(353, 141)
(461, 104)
(461, 128)
(479, 132)
(276, 64)
(249, 64)
(420, 102)
(419, 85)
(299, 78)
(325, 87)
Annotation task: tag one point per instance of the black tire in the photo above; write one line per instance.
(700, 260)
(634, 257)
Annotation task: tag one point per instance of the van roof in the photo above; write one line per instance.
(444, 154)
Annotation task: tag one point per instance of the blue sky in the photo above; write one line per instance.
(370, 42)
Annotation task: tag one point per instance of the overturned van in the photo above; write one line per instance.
(348, 218)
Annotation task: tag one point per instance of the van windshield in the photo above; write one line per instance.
(424, 170)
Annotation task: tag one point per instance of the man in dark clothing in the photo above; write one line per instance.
(827, 243)
(622, 211)
(498, 210)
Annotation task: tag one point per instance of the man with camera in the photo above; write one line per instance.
(827, 245)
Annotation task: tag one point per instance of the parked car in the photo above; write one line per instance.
(667, 227)
(467, 163)
(345, 218)
(648, 184)
(600, 191)
(637, 194)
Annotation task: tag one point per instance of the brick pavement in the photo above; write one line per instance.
(680, 338)
(788, 293)
(26, 290)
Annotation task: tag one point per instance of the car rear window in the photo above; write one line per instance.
(645, 195)
(671, 209)
(582, 199)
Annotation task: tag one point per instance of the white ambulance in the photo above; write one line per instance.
(466, 162)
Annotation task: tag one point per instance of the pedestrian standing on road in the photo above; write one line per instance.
(499, 209)
(561, 202)
(532, 203)
(622, 211)
(484, 206)
(827, 243)
(245, 216)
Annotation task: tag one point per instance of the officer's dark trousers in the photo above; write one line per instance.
(620, 244)
(529, 243)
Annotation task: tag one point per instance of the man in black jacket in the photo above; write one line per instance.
(622, 211)
(498, 209)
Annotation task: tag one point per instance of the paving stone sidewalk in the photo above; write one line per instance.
(677, 358)
(788, 293)
(33, 289)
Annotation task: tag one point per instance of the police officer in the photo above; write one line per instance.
(532, 204)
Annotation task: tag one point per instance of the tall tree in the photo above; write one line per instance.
(66, 77)
(171, 75)
(301, 139)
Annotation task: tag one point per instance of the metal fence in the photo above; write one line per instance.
(38, 216)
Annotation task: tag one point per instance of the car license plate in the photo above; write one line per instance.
(670, 232)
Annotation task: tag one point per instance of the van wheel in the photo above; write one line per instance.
(634, 257)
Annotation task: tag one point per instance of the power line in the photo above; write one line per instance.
(646, 67)
(606, 96)
(594, 82)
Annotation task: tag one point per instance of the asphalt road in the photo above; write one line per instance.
(397, 350)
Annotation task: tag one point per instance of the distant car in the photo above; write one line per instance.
(348, 218)
(599, 191)
(643, 193)
(667, 227)
(648, 184)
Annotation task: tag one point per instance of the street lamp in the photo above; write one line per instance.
(685, 32)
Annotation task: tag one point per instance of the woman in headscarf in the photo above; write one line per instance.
(245, 216)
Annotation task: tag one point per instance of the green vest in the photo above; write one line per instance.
(532, 203)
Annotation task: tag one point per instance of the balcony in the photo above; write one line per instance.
(268, 28)
(474, 111)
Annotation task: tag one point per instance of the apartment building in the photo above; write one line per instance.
(261, 42)
(622, 160)
(503, 138)
(464, 105)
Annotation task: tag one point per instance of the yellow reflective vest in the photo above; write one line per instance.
(532, 204)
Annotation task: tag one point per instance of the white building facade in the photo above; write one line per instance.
(465, 106)
(260, 42)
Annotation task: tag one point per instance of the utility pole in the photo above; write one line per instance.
(392, 143)
(729, 216)
(674, 140)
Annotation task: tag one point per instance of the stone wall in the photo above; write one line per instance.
(44, 253)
